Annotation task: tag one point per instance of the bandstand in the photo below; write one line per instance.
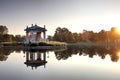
(33, 34)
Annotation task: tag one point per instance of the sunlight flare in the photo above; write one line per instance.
(118, 53)
(118, 30)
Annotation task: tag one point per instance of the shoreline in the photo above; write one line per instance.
(34, 47)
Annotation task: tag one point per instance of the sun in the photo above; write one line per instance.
(118, 53)
(118, 30)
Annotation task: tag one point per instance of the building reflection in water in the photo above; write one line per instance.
(35, 59)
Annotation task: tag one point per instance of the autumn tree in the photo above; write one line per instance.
(63, 35)
(87, 35)
(114, 35)
(50, 38)
(102, 35)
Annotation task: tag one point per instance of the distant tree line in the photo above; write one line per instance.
(5, 37)
(64, 35)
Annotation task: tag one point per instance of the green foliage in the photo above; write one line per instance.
(50, 38)
(33, 44)
(3, 30)
(40, 44)
(101, 36)
(51, 43)
(12, 44)
(18, 38)
(5, 37)
(63, 35)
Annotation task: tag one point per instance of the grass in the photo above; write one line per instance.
(56, 43)
(51, 43)
(12, 43)
(81, 44)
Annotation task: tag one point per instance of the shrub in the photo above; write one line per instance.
(12, 44)
(42, 44)
(33, 44)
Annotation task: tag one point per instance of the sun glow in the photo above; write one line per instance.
(118, 30)
(118, 53)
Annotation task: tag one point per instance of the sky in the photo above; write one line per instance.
(76, 15)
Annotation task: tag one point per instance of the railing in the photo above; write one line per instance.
(43, 40)
(37, 41)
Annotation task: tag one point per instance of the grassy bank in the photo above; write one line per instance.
(51, 43)
(12, 44)
(56, 43)
(82, 44)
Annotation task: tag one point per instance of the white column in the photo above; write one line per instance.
(27, 37)
(44, 33)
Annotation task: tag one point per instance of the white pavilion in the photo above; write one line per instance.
(33, 34)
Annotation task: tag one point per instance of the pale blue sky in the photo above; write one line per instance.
(75, 15)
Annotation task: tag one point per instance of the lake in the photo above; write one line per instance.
(74, 63)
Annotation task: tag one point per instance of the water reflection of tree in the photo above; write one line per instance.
(113, 52)
(66, 54)
(88, 51)
(4, 54)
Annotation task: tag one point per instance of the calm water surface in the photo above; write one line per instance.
(71, 64)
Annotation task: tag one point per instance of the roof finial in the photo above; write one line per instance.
(44, 26)
(27, 26)
(35, 24)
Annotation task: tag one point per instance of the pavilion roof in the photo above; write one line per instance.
(35, 28)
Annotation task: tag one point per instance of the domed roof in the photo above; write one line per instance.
(35, 28)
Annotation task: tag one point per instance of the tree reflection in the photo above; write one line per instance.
(114, 54)
(89, 51)
(4, 54)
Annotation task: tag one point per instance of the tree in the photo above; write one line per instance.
(18, 38)
(86, 35)
(102, 35)
(114, 35)
(3, 30)
(7, 38)
(63, 35)
(76, 37)
(50, 38)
